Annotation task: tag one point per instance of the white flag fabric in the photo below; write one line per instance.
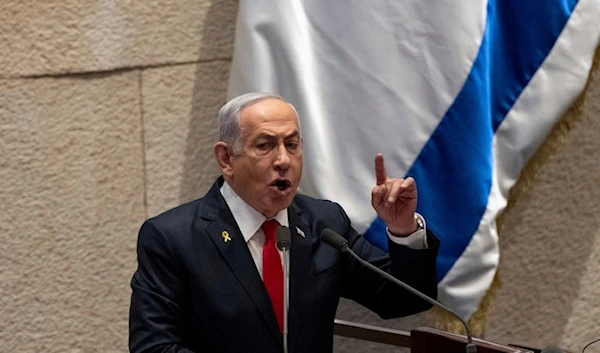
(457, 94)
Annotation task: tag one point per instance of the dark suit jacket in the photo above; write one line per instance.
(193, 291)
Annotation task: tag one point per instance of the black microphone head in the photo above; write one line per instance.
(283, 238)
(332, 238)
(552, 349)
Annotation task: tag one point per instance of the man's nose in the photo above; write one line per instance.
(282, 160)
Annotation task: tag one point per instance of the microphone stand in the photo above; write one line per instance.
(470, 348)
(341, 244)
(284, 243)
(286, 297)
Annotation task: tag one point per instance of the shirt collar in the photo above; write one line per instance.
(248, 219)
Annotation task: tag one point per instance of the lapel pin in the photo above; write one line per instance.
(226, 237)
(300, 232)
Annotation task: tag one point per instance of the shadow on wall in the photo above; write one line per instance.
(210, 89)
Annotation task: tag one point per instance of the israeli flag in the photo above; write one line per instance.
(457, 94)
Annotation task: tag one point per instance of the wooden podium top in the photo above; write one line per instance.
(429, 340)
(420, 340)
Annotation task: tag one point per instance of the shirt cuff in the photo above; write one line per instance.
(416, 240)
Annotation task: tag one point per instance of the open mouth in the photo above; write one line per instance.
(282, 184)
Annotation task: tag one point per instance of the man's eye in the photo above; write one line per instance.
(262, 146)
(292, 145)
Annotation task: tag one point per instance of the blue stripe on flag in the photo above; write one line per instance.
(454, 169)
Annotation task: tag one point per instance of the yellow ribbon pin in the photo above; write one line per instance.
(225, 236)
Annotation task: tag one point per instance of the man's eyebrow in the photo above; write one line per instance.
(295, 134)
(265, 136)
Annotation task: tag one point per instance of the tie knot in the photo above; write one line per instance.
(270, 227)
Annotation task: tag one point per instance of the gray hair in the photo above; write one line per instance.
(229, 116)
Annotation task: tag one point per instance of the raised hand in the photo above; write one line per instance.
(394, 200)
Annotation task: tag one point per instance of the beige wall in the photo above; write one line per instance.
(107, 116)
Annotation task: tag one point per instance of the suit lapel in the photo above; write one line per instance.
(300, 259)
(225, 234)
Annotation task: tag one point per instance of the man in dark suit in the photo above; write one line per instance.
(210, 278)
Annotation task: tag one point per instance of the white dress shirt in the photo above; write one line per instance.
(250, 221)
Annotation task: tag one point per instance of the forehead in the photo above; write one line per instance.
(268, 115)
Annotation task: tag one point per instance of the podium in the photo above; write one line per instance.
(421, 340)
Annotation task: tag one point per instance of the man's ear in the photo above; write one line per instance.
(223, 156)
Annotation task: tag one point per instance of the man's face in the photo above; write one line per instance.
(266, 171)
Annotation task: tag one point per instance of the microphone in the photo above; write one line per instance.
(283, 238)
(283, 241)
(340, 243)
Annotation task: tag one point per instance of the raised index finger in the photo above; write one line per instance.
(380, 172)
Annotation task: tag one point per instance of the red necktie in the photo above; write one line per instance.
(272, 270)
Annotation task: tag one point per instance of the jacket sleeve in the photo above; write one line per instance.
(156, 322)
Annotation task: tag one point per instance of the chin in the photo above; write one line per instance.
(281, 205)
